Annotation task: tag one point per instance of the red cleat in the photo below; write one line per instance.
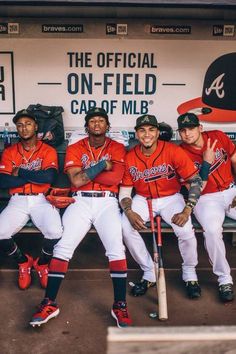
(42, 270)
(120, 313)
(47, 310)
(24, 277)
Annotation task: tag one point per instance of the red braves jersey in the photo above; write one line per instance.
(220, 175)
(42, 158)
(82, 155)
(157, 175)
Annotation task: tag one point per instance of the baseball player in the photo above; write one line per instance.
(215, 155)
(95, 166)
(28, 168)
(154, 168)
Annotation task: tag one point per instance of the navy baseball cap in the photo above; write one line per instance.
(96, 111)
(24, 113)
(146, 119)
(218, 101)
(188, 120)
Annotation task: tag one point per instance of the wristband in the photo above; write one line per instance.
(204, 170)
(93, 171)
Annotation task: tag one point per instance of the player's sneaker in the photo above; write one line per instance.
(42, 270)
(24, 276)
(193, 289)
(47, 310)
(120, 313)
(140, 288)
(226, 292)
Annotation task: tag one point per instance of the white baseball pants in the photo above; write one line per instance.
(210, 211)
(21, 208)
(104, 214)
(166, 207)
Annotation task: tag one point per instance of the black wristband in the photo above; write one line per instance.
(93, 171)
(204, 170)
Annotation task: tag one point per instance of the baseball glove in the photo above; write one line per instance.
(59, 197)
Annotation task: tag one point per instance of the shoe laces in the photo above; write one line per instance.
(192, 284)
(44, 305)
(226, 287)
(23, 270)
(122, 308)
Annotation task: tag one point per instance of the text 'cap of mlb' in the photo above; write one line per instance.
(24, 113)
(146, 119)
(96, 111)
(188, 120)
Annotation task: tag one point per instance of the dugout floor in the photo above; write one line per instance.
(86, 296)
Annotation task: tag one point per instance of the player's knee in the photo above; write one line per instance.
(53, 232)
(212, 230)
(63, 252)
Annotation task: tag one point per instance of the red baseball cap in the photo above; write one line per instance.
(218, 101)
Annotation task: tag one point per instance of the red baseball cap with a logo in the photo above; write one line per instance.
(218, 101)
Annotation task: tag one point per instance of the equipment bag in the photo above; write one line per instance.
(50, 123)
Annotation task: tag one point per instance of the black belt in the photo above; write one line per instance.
(26, 193)
(95, 194)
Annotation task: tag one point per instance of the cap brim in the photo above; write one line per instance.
(211, 114)
(15, 119)
(153, 125)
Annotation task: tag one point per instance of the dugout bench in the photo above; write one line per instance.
(229, 225)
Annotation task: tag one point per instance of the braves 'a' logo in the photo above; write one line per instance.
(217, 86)
(152, 174)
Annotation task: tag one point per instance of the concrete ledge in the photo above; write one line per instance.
(178, 340)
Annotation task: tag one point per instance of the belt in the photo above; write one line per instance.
(95, 194)
(26, 193)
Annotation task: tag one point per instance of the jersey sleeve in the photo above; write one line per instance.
(118, 153)
(227, 143)
(50, 159)
(72, 158)
(183, 164)
(127, 180)
(7, 162)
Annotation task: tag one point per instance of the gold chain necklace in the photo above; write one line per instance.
(27, 159)
(92, 154)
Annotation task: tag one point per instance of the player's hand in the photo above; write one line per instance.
(135, 220)
(108, 165)
(209, 154)
(15, 171)
(180, 219)
(233, 204)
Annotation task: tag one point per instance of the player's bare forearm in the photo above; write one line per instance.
(78, 178)
(180, 219)
(126, 204)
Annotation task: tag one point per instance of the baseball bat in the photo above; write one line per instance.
(161, 288)
(155, 252)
